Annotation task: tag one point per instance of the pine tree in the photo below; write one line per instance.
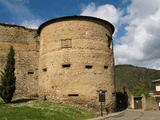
(8, 78)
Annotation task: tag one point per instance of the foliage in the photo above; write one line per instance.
(133, 77)
(42, 110)
(8, 78)
(138, 90)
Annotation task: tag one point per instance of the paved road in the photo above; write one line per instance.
(137, 115)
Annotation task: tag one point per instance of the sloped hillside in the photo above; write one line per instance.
(130, 76)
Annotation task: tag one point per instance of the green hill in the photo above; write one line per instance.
(129, 76)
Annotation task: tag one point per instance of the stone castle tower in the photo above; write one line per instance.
(73, 61)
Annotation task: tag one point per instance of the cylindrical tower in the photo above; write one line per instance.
(76, 60)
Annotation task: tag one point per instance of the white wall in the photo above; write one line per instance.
(158, 88)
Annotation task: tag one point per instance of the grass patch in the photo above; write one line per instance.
(27, 109)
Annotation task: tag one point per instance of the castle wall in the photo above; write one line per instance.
(76, 60)
(26, 46)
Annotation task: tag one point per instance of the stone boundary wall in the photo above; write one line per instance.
(71, 62)
(26, 45)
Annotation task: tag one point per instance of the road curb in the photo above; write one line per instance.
(117, 114)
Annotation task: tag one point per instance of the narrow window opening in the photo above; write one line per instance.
(66, 65)
(88, 66)
(109, 41)
(66, 43)
(105, 67)
(44, 69)
(30, 72)
(74, 95)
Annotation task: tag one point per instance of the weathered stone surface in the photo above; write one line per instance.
(75, 60)
(88, 44)
(26, 47)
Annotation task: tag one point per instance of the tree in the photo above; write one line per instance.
(140, 89)
(8, 78)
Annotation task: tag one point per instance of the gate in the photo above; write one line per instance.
(138, 102)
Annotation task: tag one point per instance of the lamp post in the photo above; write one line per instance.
(102, 98)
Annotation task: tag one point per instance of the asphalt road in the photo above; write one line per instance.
(137, 115)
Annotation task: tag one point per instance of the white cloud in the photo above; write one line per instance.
(107, 12)
(31, 23)
(20, 12)
(141, 43)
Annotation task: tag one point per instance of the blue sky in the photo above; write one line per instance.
(27, 10)
(136, 40)
(49, 9)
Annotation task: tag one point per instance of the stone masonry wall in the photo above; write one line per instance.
(26, 46)
(75, 60)
(66, 49)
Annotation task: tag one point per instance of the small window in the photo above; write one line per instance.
(73, 95)
(44, 69)
(105, 67)
(30, 72)
(88, 66)
(66, 43)
(109, 40)
(66, 65)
